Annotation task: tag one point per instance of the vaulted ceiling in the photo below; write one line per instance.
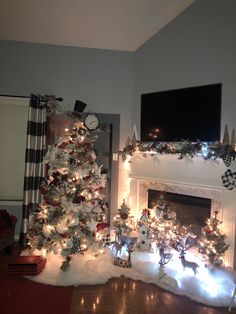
(106, 24)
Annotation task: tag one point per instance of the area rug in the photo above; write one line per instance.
(20, 295)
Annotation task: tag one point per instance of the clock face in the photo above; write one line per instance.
(91, 122)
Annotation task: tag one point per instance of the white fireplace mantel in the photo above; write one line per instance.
(197, 177)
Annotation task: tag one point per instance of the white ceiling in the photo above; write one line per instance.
(106, 24)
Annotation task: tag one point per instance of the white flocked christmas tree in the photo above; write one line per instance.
(71, 216)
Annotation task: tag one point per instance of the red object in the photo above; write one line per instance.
(6, 222)
(27, 265)
(20, 295)
(124, 216)
(146, 212)
(63, 145)
(7, 230)
(101, 226)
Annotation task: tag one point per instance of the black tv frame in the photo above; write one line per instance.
(190, 113)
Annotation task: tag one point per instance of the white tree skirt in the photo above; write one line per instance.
(212, 287)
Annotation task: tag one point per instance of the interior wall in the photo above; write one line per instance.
(101, 78)
(198, 47)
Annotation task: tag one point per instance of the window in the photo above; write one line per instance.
(13, 129)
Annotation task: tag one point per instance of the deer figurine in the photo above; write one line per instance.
(118, 246)
(187, 264)
(188, 240)
(117, 234)
(165, 257)
(163, 277)
(123, 263)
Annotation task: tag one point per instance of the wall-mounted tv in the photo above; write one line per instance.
(192, 113)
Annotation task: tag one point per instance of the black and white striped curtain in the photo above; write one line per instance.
(35, 170)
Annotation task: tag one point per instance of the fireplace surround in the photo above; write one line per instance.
(191, 211)
(195, 177)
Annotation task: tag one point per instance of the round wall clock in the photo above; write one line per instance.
(91, 121)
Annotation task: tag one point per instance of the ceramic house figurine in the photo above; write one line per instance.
(144, 242)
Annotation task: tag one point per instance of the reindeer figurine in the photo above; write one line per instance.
(186, 264)
(185, 242)
(117, 234)
(123, 263)
(165, 257)
(163, 277)
(118, 246)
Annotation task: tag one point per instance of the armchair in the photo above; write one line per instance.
(7, 230)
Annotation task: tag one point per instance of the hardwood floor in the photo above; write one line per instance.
(125, 296)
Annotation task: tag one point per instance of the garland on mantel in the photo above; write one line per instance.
(210, 150)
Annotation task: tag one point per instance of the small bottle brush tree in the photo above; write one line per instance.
(212, 243)
(72, 211)
(123, 223)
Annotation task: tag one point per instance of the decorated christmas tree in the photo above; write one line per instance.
(123, 223)
(164, 227)
(72, 212)
(212, 243)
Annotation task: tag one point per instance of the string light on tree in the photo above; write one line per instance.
(212, 244)
(72, 211)
(164, 227)
(123, 223)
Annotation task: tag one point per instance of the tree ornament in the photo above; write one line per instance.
(124, 210)
(229, 179)
(227, 155)
(78, 199)
(82, 131)
(101, 226)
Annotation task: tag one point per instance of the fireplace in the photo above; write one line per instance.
(190, 177)
(191, 211)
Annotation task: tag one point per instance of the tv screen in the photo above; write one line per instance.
(192, 113)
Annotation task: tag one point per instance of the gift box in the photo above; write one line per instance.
(27, 265)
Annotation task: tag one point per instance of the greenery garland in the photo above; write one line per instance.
(210, 150)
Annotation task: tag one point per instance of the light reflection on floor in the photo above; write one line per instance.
(125, 296)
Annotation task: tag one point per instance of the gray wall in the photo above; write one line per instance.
(197, 48)
(101, 78)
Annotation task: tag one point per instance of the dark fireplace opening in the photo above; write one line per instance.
(191, 211)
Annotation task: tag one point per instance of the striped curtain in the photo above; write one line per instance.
(35, 170)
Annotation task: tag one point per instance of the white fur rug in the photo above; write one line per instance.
(212, 287)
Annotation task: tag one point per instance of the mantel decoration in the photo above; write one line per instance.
(212, 150)
(186, 149)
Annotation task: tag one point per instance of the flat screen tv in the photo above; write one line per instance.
(192, 113)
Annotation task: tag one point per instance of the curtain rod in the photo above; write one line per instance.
(48, 97)
(44, 98)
